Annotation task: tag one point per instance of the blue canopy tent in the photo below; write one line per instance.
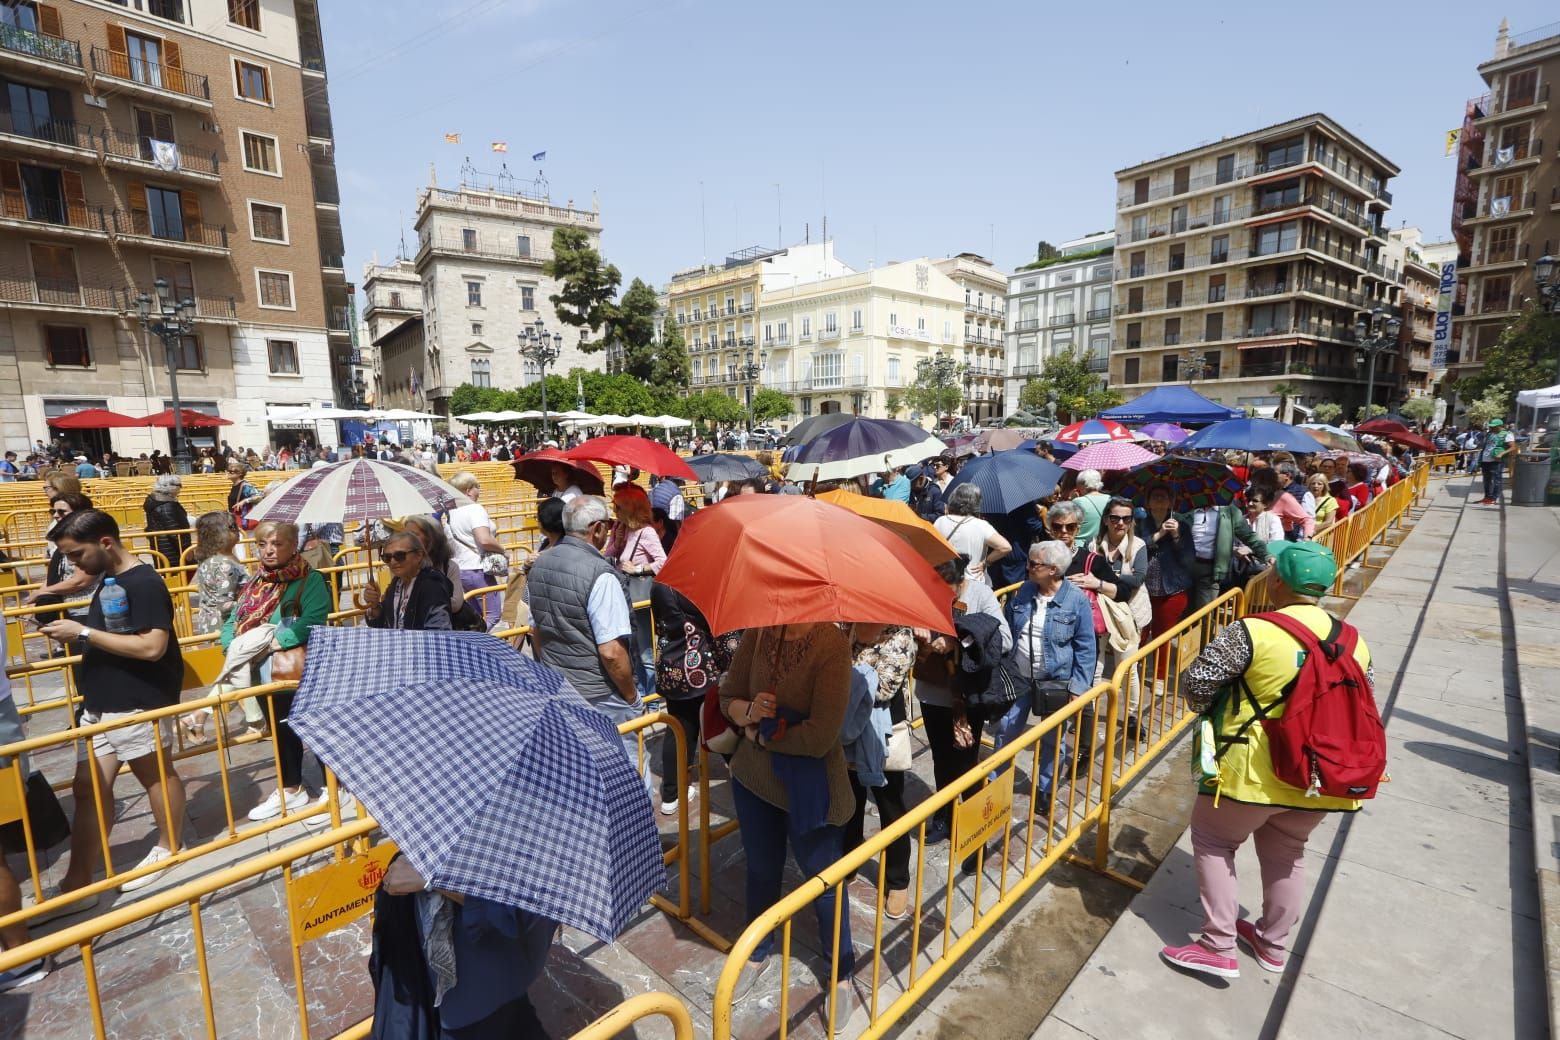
(1177, 404)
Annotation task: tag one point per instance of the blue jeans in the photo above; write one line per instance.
(765, 830)
(1494, 478)
(643, 652)
(618, 712)
(1012, 725)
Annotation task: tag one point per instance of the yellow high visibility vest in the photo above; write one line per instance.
(1246, 767)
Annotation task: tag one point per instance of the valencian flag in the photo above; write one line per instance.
(452, 139)
(539, 156)
(500, 146)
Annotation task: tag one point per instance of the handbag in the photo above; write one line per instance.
(287, 665)
(50, 825)
(494, 564)
(639, 585)
(1046, 695)
(715, 730)
(1094, 599)
(899, 749)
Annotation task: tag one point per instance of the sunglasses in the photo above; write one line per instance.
(1117, 519)
(62, 511)
(1064, 528)
(398, 556)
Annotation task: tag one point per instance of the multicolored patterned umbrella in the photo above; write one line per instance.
(1332, 436)
(1090, 430)
(1168, 432)
(1108, 455)
(357, 489)
(1193, 483)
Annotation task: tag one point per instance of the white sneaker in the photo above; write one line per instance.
(322, 819)
(272, 807)
(157, 855)
(24, 974)
(670, 808)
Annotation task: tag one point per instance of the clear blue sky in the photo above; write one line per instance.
(922, 128)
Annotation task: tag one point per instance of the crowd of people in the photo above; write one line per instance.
(813, 717)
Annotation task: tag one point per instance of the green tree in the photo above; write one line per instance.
(1328, 412)
(1079, 392)
(929, 396)
(769, 403)
(633, 329)
(1492, 405)
(669, 374)
(625, 395)
(712, 406)
(1419, 409)
(1364, 412)
(1286, 392)
(1522, 358)
(588, 286)
(893, 404)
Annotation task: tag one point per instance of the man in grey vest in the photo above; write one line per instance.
(580, 616)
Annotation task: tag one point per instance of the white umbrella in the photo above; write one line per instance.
(357, 489)
(573, 415)
(672, 422)
(402, 415)
(643, 420)
(481, 417)
(845, 469)
(322, 414)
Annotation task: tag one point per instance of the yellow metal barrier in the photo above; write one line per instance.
(634, 1009)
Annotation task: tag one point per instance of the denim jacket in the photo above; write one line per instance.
(1068, 638)
(1175, 555)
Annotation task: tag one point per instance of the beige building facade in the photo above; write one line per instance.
(1060, 304)
(985, 348)
(187, 141)
(1245, 263)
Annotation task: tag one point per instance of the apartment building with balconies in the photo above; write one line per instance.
(1507, 212)
(853, 342)
(187, 141)
(1245, 263)
(481, 248)
(719, 309)
(1057, 304)
(985, 347)
(392, 297)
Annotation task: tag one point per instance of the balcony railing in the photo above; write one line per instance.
(1059, 319)
(150, 73)
(1099, 364)
(40, 45)
(127, 146)
(45, 210)
(1507, 205)
(1510, 101)
(1313, 329)
(829, 333)
(1099, 314)
(1239, 173)
(337, 319)
(502, 248)
(140, 225)
(840, 382)
(65, 132)
(745, 341)
(1026, 324)
(57, 292)
(746, 308)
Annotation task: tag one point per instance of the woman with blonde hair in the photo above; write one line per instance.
(635, 548)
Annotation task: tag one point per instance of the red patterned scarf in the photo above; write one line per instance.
(261, 595)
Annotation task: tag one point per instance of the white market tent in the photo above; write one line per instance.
(1546, 397)
(480, 417)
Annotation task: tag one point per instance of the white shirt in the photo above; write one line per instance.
(1031, 641)
(1268, 527)
(1205, 531)
(608, 610)
(462, 522)
(569, 493)
(968, 535)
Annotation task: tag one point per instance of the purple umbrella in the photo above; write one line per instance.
(1168, 432)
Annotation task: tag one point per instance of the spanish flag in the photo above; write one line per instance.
(500, 146)
(452, 139)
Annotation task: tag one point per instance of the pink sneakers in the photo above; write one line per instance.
(1197, 957)
(1246, 933)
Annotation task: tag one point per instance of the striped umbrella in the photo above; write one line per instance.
(1108, 455)
(357, 489)
(1090, 430)
(1193, 483)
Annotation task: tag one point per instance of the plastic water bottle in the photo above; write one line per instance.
(115, 603)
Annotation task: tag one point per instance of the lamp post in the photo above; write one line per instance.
(542, 348)
(1196, 365)
(939, 372)
(1548, 282)
(750, 372)
(1376, 334)
(170, 321)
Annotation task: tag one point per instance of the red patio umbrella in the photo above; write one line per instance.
(536, 467)
(759, 560)
(1382, 427)
(95, 419)
(639, 452)
(192, 419)
(1413, 440)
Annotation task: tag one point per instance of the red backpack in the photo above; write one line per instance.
(1330, 740)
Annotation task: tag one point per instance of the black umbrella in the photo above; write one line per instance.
(727, 467)
(807, 429)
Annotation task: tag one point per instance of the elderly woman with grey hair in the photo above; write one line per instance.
(164, 513)
(970, 534)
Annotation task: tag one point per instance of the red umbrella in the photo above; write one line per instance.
(639, 452)
(193, 420)
(759, 560)
(1090, 430)
(536, 467)
(1413, 440)
(95, 419)
(1382, 427)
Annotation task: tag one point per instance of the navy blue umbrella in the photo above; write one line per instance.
(1009, 480)
(727, 467)
(863, 446)
(1252, 435)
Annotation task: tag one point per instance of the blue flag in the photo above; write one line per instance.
(539, 156)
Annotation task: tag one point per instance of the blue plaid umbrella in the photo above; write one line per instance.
(1009, 480)
(494, 777)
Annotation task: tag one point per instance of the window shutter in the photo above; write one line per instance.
(173, 66)
(75, 198)
(163, 123)
(189, 206)
(49, 20)
(118, 52)
(135, 192)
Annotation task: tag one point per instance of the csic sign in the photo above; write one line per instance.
(1446, 296)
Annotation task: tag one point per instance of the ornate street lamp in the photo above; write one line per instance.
(170, 321)
(1548, 282)
(1376, 334)
(750, 371)
(542, 348)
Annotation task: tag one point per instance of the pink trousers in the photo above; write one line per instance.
(1280, 835)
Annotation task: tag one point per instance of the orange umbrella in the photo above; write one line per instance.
(898, 518)
(759, 560)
